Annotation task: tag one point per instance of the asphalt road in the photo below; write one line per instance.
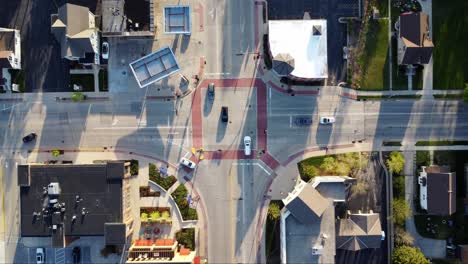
(153, 127)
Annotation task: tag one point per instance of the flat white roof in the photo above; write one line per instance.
(154, 67)
(305, 41)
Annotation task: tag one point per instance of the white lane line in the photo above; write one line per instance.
(290, 121)
(243, 195)
(258, 164)
(217, 73)
(252, 164)
(374, 114)
(136, 127)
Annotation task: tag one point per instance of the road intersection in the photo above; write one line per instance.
(234, 189)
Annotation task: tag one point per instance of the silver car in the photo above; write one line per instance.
(247, 147)
(327, 120)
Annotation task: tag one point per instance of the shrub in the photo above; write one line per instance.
(396, 162)
(328, 165)
(403, 238)
(423, 158)
(274, 211)
(78, 97)
(134, 167)
(186, 237)
(155, 176)
(144, 217)
(309, 172)
(399, 186)
(401, 211)
(154, 216)
(408, 255)
(180, 197)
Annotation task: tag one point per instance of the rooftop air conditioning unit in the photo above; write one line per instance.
(53, 188)
(317, 251)
(53, 201)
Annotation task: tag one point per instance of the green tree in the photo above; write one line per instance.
(396, 162)
(342, 169)
(78, 97)
(359, 188)
(401, 211)
(274, 211)
(310, 171)
(403, 238)
(465, 93)
(328, 165)
(399, 186)
(408, 255)
(186, 237)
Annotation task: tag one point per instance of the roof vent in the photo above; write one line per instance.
(317, 30)
(317, 251)
(53, 188)
(53, 201)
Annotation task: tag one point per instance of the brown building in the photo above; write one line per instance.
(414, 44)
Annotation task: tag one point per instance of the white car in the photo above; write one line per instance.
(105, 50)
(188, 163)
(40, 257)
(247, 143)
(327, 120)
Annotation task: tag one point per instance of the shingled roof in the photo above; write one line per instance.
(359, 231)
(414, 33)
(308, 205)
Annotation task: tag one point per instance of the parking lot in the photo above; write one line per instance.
(242, 115)
(319, 9)
(52, 255)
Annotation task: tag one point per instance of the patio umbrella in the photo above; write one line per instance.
(283, 64)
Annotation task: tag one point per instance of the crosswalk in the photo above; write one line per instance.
(59, 255)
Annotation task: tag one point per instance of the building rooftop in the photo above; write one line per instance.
(414, 32)
(306, 203)
(438, 190)
(359, 231)
(305, 41)
(154, 67)
(177, 19)
(88, 197)
(113, 17)
(302, 238)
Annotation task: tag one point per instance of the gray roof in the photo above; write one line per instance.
(441, 193)
(115, 170)
(71, 29)
(177, 19)
(113, 19)
(99, 197)
(359, 231)
(308, 205)
(301, 238)
(154, 67)
(115, 233)
(23, 175)
(332, 190)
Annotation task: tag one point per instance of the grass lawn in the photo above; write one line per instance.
(441, 229)
(448, 96)
(392, 143)
(86, 81)
(375, 57)
(450, 35)
(387, 97)
(442, 143)
(382, 6)
(103, 81)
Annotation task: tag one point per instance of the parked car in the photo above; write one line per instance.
(247, 143)
(188, 163)
(105, 50)
(29, 137)
(211, 90)
(327, 120)
(303, 121)
(76, 253)
(40, 255)
(224, 114)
